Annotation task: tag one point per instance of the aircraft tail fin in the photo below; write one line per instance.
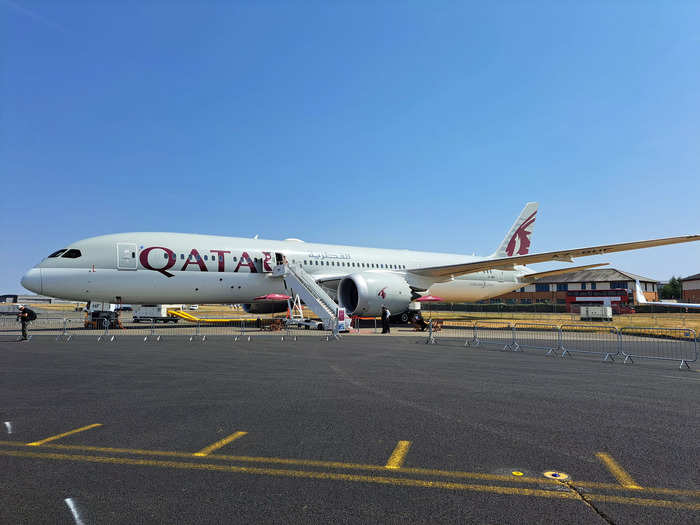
(517, 241)
(639, 294)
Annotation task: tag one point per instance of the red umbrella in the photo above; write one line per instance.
(429, 299)
(273, 297)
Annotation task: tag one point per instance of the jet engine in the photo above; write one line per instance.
(364, 293)
(265, 308)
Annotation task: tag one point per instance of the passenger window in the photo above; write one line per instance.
(206, 257)
(72, 254)
(235, 259)
(57, 253)
(182, 256)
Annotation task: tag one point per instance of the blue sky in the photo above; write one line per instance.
(398, 124)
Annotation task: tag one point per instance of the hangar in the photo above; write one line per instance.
(565, 288)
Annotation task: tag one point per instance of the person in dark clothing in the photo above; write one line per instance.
(25, 316)
(385, 320)
(418, 322)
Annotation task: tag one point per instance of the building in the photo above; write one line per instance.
(31, 299)
(690, 287)
(585, 286)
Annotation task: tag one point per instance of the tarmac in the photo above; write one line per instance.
(362, 430)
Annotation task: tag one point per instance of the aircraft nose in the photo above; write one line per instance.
(32, 280)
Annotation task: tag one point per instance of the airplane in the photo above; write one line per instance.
(641, 299)
(156, 268)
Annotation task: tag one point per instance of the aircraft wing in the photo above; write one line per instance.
(509, 263)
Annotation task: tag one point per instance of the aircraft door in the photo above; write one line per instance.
(126, 256)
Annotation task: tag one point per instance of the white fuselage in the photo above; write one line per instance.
(152, 268)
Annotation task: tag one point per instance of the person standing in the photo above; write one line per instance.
(385, 320)
(25, 316)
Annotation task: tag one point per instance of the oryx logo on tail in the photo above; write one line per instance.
(521, 238)
(518, 239)
(382, 293)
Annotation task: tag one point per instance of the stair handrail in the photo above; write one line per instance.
(316, 291)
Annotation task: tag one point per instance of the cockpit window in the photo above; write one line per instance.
(57, 253)
(72, 254)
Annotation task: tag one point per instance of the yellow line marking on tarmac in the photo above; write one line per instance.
(358, 466)
(222, 442)
(399, 455)
(406, 482)
(59, 436)
(616, 470)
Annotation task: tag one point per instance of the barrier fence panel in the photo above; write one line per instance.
(671, 344)
(449, 329)
(600, 340)
(76, 328)
(202, 330)
(445, 329)
(537, 336)
(46, 326)
(10, 328)
(498, 333)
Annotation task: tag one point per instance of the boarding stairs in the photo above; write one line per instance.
(301, 284)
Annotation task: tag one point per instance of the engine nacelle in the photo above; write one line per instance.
(364, 293)
(265, 308)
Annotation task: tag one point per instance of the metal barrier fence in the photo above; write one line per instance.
(537, 336)
(448, 329)
(10, 328)
(669, 344)
(497, 333)
(201, 331)
(602, 340)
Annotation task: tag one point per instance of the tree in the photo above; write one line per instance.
(672, 290)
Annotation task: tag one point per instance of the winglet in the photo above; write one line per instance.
(639, 293)
(517, 241)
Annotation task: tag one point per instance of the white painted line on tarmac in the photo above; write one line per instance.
(8, 426)
(74, 510)
(682, 378)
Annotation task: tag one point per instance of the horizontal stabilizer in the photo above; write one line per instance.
(534, 276)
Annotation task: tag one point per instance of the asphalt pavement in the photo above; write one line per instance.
(363, 430)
